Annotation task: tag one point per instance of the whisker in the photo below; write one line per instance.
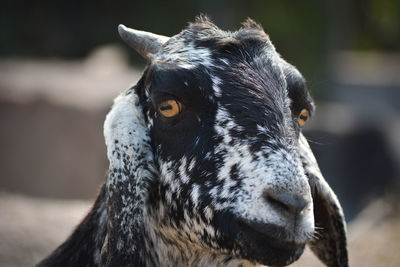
(310, 140)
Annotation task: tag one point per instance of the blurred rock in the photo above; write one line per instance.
(51, 150)
(89, 84)
(52, 115)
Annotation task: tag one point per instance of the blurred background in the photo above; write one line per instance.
(62, 63)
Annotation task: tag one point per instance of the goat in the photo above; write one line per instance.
(208, 165)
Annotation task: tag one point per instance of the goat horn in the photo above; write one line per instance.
(145, 43)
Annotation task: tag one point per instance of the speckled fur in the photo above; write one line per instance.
(195, 190)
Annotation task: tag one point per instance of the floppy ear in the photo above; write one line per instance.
(329, 244)
(131, 170)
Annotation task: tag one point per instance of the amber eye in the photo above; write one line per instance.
(170, 108)
(303, 117)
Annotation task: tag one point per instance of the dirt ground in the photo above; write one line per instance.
(30, 228)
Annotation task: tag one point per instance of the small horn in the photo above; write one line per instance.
(145, 43)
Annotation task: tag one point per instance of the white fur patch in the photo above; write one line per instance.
(183, 55)
(257, 176)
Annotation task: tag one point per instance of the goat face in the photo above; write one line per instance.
(217, 113)
(230, 174)
(208, 166)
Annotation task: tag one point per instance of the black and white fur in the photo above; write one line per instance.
(230, 181)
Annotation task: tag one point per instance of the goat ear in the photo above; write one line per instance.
(329, 243)
(131, 171)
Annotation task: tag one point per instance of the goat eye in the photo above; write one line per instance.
(170, 108)
(303, 117)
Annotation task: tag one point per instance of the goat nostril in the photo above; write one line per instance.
(291, 203)
(277, 203)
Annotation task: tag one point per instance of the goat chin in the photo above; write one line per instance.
(267, 244)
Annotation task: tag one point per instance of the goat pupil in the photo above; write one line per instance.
(166, 107)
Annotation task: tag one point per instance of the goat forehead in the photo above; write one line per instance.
(185, 54)
(249, 62)
(241, 74)
(252, 88)
(193, 47)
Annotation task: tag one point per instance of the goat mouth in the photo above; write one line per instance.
(267, 243)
